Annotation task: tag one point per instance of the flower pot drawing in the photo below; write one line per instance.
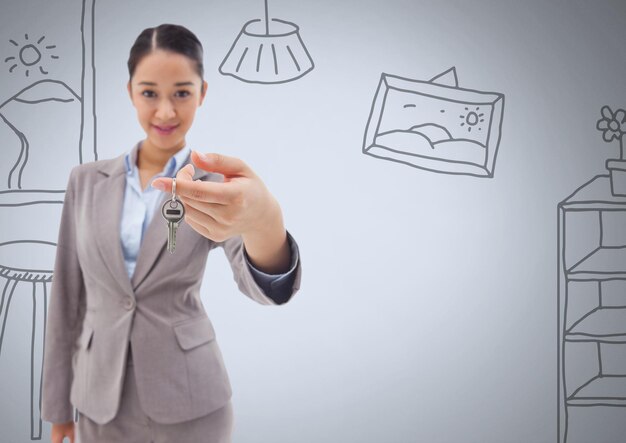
(617, 169)
(613, 127)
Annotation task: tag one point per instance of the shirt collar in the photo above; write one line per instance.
(171, 167)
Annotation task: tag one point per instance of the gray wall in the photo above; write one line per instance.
(428, 306)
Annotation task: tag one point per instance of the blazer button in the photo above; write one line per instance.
(129, 303)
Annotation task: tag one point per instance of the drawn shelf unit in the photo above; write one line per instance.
(591, 306)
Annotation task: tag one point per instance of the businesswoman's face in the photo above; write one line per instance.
(166, 91)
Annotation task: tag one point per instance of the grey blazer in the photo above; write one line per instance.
(95, 309)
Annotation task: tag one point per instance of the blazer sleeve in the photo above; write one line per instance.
(276, 286)
(66, 310)
(279, 290)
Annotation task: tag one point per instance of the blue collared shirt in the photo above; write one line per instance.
(140, 206)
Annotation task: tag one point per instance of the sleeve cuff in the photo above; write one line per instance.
(276, 286)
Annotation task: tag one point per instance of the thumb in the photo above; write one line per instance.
(223, 164)
(185, 173)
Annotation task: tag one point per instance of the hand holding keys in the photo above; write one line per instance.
(173, 212)
(240, 204)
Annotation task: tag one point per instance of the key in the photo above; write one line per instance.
(173, 212)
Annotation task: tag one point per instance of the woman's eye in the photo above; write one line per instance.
(150, 94)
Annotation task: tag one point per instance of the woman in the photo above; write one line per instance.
(128, 342)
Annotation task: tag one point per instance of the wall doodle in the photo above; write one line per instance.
(267, 51)
(613, 127)
(435, 125)
(46, 125)
(592, 289)
(29, 55)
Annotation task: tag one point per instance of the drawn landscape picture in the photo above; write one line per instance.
(435, 125)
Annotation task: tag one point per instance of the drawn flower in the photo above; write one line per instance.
(613, 126)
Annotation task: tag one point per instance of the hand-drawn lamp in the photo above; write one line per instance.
(613, 126)
(267, 51)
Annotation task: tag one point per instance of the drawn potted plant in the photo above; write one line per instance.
(613, 126)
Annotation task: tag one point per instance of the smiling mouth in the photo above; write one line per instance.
(165, 128)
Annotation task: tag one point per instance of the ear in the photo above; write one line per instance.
(205, 85)
(130, 92)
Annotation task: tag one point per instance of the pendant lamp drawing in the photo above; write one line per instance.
(267, 51)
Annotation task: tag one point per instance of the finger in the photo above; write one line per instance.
(215, 210)
(165, 183)
(202, 228)
(223, 164)
(185, 173)
(206, 191)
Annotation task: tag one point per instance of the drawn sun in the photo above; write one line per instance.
(472, 118)
(29, 55)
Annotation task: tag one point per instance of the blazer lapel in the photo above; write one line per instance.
(109, 195)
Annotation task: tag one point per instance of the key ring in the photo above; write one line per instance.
(174, 189)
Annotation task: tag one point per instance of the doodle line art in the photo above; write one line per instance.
(268, 51)
(613, 126)
(435, 125)
(42, 91)
(29, 55)
(592, 287)
(27, 260)
(40, 280)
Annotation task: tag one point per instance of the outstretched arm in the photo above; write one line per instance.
(241, 215)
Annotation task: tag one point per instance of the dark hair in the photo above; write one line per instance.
(168, 37)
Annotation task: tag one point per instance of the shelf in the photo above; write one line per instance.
(602, 264)
(606, 325)
(607, 390)
(592, 249)
(594, 195)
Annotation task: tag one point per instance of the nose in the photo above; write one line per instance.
(165, 110)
